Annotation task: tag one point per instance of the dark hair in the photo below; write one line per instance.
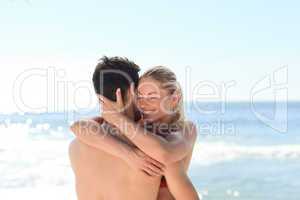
(112, 73)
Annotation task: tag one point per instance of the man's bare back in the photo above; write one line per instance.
(102, 176)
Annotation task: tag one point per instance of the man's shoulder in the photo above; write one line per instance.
(77, 148)
(74, 147)
(96, 119)
(74, 153)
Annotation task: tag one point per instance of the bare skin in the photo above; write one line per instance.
(177, 179)
(101, 175)
(174, 150)
(175, 173)
(94, 140)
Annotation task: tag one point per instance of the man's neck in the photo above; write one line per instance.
(130, 115)
(111, 129)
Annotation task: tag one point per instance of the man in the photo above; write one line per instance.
(100, 175)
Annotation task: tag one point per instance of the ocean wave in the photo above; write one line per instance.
(22, 138)
(206, 153)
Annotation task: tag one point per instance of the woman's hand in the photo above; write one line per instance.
(112, 111)
(137, 159)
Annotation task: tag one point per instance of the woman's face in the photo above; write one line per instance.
(154, 102)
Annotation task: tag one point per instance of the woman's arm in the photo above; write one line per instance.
(178, 181)
(166, 150)
(91, 133)
(179, 184)
(169, 149)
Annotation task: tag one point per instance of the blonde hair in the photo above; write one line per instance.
(168, 81)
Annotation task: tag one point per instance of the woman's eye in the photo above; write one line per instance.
(149, 98)
(153, 98)
(139, 96)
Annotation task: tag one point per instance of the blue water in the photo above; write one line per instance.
(242, 152)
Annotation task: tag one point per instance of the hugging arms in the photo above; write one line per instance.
(154, 154)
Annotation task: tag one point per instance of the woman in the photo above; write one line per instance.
(159, 99)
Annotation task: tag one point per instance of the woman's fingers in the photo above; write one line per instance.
(155, 162)
(103, 99)
(100, 99)
(151, 171)
(151, 163)
(111, 105)
(107, 104)
(155, 169)
(147, 171)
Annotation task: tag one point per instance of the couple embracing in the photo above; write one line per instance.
(140, 146)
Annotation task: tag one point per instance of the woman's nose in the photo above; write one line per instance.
(143, 103)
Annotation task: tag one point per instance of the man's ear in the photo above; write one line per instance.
(98, 97)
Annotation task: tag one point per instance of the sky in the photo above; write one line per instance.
(48, 49)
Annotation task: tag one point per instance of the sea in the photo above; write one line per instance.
(244, 150)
